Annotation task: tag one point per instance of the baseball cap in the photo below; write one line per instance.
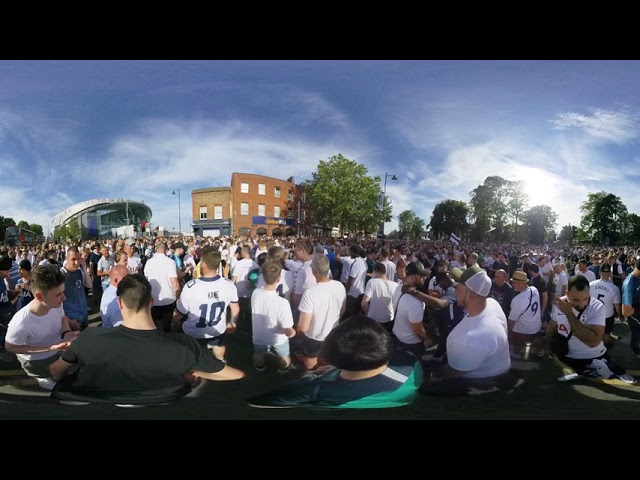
(605, 267)
(416, 268)
(474, 278)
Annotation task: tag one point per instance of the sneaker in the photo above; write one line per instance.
(569, 378)
(259, 368)
(289, 368)
(626, 378)
(128, 405)
(45, 383)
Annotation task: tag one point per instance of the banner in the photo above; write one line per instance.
(454, 238)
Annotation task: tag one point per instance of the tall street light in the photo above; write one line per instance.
(179, 212)
(384, 197)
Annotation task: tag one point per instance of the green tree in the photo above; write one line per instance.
(490, 207)
(73, 229)
(449, 216)
(603, 214)
(61, 232)
(36, 228)
(517, 203)
(540, 221)
(341, 194)
(23, 224)
(632, 229)
(567, 233)
(410, 225)
(4, 223)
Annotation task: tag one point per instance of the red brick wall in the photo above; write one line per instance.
(254, 199)
(209, 197)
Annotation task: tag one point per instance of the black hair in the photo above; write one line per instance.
(135, 291)
(358, 344)
(579, 282)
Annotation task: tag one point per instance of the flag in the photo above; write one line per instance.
(454, 238)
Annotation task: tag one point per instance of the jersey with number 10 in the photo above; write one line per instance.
(205, 301)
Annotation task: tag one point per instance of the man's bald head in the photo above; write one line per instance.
(116, 274)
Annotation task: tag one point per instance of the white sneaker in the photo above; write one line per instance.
(626, 378)
(73, 403)
(45, 383)
(568, 378)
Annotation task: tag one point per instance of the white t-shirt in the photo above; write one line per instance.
(589, 275)
(357, 271)
(285, 286)
(269, 314)
(562, 280)
(408, 309)
(324, 300)
(607, 293)
(304, 279)
(392, 272)
(593, 314)
(27, 328)
(380, 293)
(525, 311)
(346, 265)
(205, 301)
(478, 345)
(241, 270)
(159, 270)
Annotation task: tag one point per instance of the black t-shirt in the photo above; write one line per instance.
(120, 362)
(503, 295)
(94, 258)
(540, 284)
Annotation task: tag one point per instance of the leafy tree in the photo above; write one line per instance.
(631, 228)
(518, 200)
(568, 233)
(61, 232)
(539, 221)
(4, 223)
(449, 216)
(36, 228)
(603, 214)
(342, 194)
(490, 206)
(410, 225)
(73, 229)
(23, 224)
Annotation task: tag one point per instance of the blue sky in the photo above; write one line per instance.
(71, 131)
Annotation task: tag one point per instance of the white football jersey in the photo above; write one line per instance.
(205, 300)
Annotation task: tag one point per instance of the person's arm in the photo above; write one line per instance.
(227, 373)
(176, 286)
(304, 320)
(419, 330)
(590, 335)
(427, 299)
(618, 309)
(365, 304)
(59, 369)
(289, 332)
(234, 308)
(627, 300)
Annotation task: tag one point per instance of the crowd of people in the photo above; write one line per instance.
(362, 322)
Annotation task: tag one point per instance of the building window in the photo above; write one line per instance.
(262, 189)
(261, 210)
(276, 192)
(217, 212)
(244, 187)
(203, 213)
(276, 211)
(244, 208)
(290, 214)
(290, 196)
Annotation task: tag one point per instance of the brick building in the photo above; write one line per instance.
(262, 205)
(211, 211)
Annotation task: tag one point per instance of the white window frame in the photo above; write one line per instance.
(262, 189)
(276, 192)
(244, 187)
(217, 212)
(262, 209)
(203, 210)
(244, 208)
(276, 211)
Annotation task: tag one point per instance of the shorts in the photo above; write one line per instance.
(38, 368)
(163, 314)
(306, 346)
(281, 350)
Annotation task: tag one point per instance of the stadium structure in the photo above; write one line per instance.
(98, 217)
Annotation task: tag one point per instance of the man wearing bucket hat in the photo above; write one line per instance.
(477, 348)
(525, 320)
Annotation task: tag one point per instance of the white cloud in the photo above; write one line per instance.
(601, 126)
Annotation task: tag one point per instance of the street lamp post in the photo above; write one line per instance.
(179, 212)
(384, 198)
